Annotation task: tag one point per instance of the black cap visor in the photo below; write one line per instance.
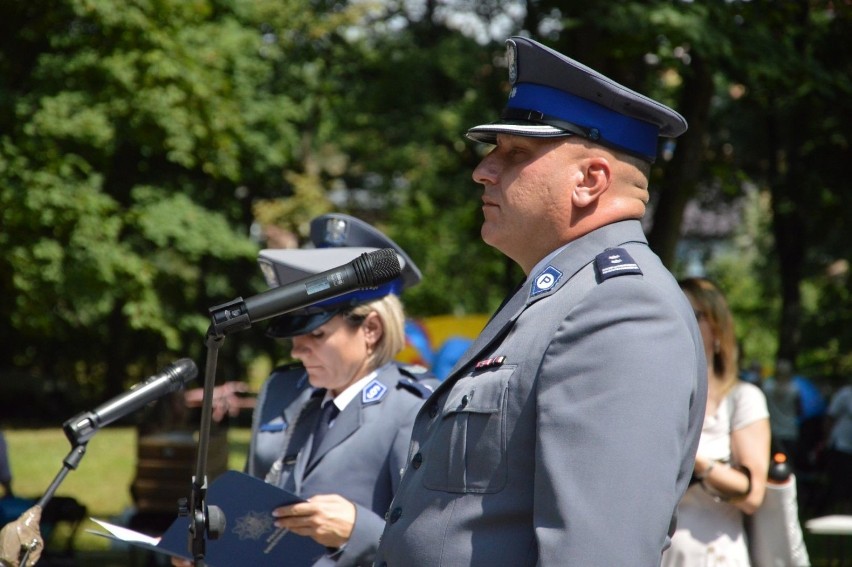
(301, 322)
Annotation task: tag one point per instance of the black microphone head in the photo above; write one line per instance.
(181, 371)
(377, 267)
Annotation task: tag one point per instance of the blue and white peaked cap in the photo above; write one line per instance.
(552, 96)
(336, 240)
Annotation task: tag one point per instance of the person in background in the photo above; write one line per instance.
(785, 409)
(566, 434)
(732, 462)
(334, 428)
(839, 451)
(5, 468)
(753, 373)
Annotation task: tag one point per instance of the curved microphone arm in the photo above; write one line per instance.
(205, 521)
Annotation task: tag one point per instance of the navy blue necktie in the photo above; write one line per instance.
(327, 414)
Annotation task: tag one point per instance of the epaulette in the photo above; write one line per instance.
(416, 371)
(414, 386)
(615, 262)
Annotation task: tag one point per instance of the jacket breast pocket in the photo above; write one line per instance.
(467, 452)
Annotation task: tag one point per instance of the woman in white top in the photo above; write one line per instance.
(732, 461)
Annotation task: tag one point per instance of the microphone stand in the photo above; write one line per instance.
(79, 439)
(79, 430)
(71, 461)
(209, 521)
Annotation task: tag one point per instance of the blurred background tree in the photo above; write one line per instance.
(149, 149)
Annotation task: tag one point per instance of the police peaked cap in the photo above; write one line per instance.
(552, 96)
(337, 239)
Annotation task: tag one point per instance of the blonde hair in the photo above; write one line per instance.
(714, 307)
(390, 311)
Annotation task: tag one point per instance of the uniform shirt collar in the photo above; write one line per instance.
(343, 398)
(546, 260)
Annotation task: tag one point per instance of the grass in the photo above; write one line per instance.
(102, 479)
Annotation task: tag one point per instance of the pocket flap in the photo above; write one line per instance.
(482, 393)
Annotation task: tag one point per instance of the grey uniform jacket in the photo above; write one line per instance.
(361, 457)
(566, 434)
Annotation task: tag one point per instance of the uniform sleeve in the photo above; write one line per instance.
(841, 403)
(613, 397)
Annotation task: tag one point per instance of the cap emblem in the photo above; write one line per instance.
(268, 271)
(512, 61)
(336, 230)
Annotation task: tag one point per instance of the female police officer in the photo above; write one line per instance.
(348, 472)
(335, 427)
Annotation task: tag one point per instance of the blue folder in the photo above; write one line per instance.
(249, 537)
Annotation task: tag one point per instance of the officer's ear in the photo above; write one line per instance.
(594, 176)
(373, 328)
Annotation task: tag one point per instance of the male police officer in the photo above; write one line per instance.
(566, 434)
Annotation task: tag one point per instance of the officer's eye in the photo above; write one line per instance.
(517, 153)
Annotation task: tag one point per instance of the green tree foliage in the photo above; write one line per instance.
(389, 111)
(149, 148)
(764, 87)
(779, 122)
(129, 134)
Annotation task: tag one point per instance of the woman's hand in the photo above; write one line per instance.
(750, 447)
(326, 518)
(702, 466)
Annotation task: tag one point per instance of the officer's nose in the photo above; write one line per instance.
(486, 171)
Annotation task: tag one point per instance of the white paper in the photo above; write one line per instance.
(118, 533)
(123, 533)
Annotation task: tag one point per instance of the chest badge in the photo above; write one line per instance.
(373, 392)
(545, 280)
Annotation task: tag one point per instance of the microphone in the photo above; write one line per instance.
(367, 271)
(79, 429)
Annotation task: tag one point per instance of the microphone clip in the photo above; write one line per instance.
(80, 428)
(229, 317)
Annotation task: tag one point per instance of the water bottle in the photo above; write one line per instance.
(779, 469)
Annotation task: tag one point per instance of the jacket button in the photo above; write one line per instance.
(395, 514)
(465, 399)
(417, 460)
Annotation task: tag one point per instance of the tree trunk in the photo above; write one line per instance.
(790, 242)
(790, 199)
(680, 178)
